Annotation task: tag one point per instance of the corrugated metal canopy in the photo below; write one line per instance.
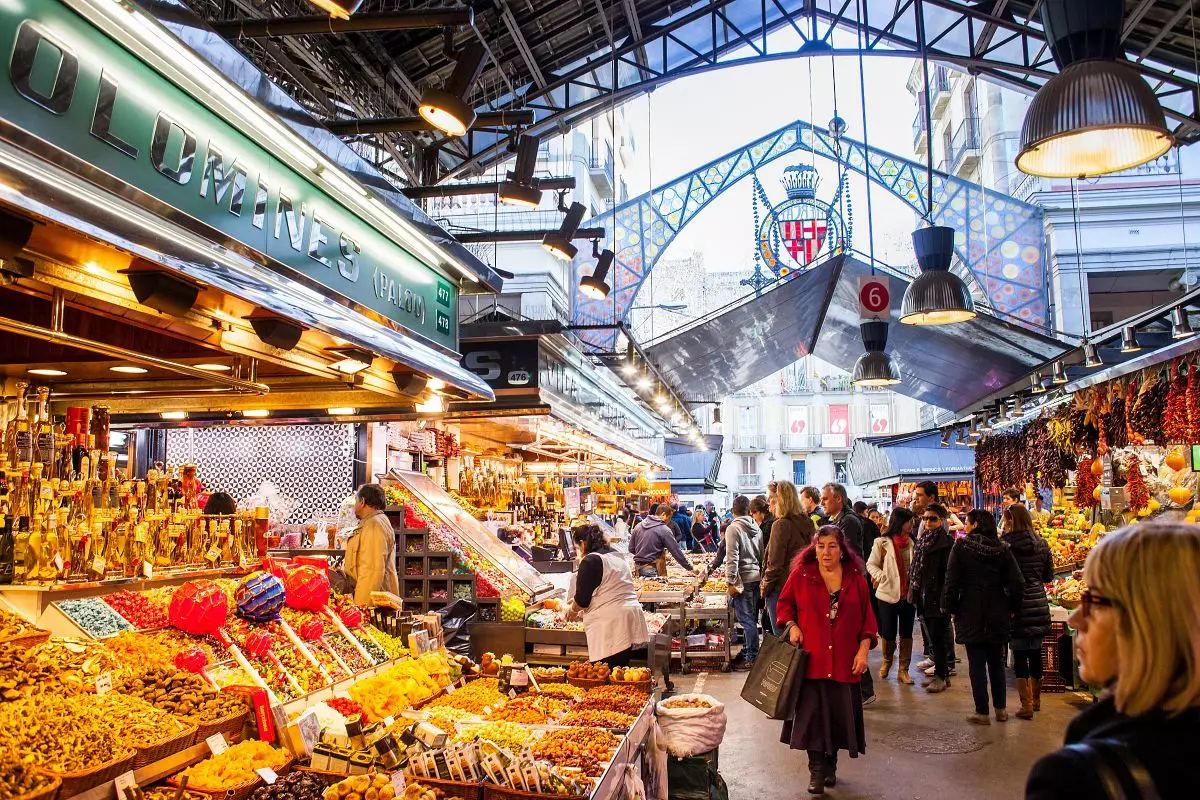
(694, 471)
(949, 366)
(907, 456)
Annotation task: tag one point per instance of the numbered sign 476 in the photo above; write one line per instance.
(874, 297)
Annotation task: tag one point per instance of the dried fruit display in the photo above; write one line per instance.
(598, 719)
(13, 624)
(137, 723)
(293, 786)
(508, 735)
(588, 671)
(347, 707)
(530, 709)
(562, 690)
(583, 748)
(474, 697)
(687, 702)
(17, 779)
(139, 650)
(60, 666)
(234, 767)
(624, 700)
(388, 693)
(58, 734)
(377, 786)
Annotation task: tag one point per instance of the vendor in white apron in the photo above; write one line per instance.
(603, 594)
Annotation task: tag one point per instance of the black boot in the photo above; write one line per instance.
(831, 770)
(816, 772)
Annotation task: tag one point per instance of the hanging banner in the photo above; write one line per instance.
(839, 427)
(797, 420)
(880, 419)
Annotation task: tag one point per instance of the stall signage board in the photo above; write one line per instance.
(69, 84)
(503, 363)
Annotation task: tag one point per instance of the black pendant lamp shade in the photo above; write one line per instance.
(446, 109)
(937, 296)
(1098, 115)
(595, 286)
(875, 367)
(519, 189)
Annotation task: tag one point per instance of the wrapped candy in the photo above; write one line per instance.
(192, 659)
(258, 644)
(259, 597)
(307, 589)
(199, 607)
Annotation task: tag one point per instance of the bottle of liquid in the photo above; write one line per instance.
(23, 438)
(45, 430)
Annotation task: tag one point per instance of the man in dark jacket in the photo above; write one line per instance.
(652, 539)
(837, 508)
(682, 520)
(926, 584)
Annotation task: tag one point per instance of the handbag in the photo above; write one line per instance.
(774, 680)
(1121, 772)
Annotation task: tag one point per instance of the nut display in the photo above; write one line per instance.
(61, 666)
(234, 767)
(686, 702)
(561, 690)
(136, 722)
(614, 697)
(360, 787)
(13, 624)
(18, 779)
(58, 734)
(293, 786)
(589, 671)
(582, 748)
(598, 719)
(183, 694)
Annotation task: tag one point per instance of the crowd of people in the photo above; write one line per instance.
(839, 579)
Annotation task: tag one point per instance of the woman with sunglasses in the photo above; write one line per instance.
(1137, 635)
(825, 607)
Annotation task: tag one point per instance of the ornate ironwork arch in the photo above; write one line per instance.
(1000, 238)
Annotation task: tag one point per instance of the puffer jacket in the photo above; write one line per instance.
(929, 576)
(744, 559)
(983, 590)
(1037, 569)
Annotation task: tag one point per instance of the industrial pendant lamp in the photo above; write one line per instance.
(558, 243)
(1058, 374)
(1091, 355)
(1129, 342)
(1098, 115)
(338, 9)
(446, 109)
(875, 367)
(519, 190)
(1036, 385)
(594, 286)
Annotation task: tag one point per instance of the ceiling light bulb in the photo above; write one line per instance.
(643, 383)
(433, 405)
(341, 411)
(349, 366)
(256, 413)
(1129, 342)
(1181, 327)
(436, 384)
(173, 415)
(628, 369)
(214, 367)
(47, 372)
(129, 370)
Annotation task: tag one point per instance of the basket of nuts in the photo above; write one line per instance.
(23, 782)
(81, 780)
(15, 630)
(587, 675)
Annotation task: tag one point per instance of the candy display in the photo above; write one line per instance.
(138, 650)
(199, 607)
(307, 588)
(234, 767)
(95, 617)
(138, 609)
(347, 707)
(259, 597)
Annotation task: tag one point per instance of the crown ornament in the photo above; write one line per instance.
(801, 181)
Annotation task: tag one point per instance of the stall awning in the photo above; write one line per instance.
(950, 366)
(909, 456)
(694, 471)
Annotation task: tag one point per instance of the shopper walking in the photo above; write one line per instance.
(824, 607)
(792, 532)
(838, 512)
(371, 548)
(743, 571)
(923, 494)
(683, 522)
(1138, 635)
(927, 584)
(760, 510)
(700, 531)
(983, 592)
(889, 566)
(810, 499)
(1032, 624)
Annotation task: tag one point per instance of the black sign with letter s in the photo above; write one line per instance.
(503, 364)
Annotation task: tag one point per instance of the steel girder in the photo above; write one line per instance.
(999, 238)
(993, 39)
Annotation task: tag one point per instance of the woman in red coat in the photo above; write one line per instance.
(825, 606)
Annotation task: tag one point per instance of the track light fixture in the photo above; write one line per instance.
(1091, 357)
(161, 290)
(1181, 327)
(1129, 342)
(350, 360)
(519, 190)
(558, 243)
(1018, 409)
(338, 9)
(446, 109)
(1058, 374)
(595, 286)
(1037, 387)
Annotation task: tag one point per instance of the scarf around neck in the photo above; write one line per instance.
(899, 543)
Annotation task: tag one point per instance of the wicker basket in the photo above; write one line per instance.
(231, 726)
(239, 792)
(47, 793)
(561, 679)
(1070, 605)
(645, 686)
(165, 747)
(586, 683)
(325, 775)
(492, 792)
(465, 791)
(28, 640)
(74, 783)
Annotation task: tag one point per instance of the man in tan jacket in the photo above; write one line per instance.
(371, 549)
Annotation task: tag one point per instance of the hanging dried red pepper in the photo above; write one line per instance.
(1135, 483)
(1175, 418)
(1085, 484)
(1193, 402)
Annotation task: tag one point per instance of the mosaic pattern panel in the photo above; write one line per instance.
(311, 465)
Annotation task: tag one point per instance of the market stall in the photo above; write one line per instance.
(894, 465)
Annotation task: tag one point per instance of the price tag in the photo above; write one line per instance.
(389, 722)
(450, 688)
(139, 533)
(147, 569)
(267, 774)
(512, 694)
(217, 744)
(214, 554)
(487, 711)
(58, 562)
(398, 782)
(99, 564)
(124, 782)
(104, 684)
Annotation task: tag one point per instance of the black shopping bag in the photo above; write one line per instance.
(773, 681)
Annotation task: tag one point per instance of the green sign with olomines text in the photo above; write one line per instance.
(71, 85)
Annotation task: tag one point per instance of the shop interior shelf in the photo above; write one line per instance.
(553, 636)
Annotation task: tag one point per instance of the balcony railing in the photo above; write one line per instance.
(602, 169)
(920, 130)
(834, 383)
(964, 146)
(939, 89)
(748, 442)
(750, 481)
(800, 442)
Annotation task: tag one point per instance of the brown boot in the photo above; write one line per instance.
(1025, 692)
(889, 651)
(1036, 693)
(905, 661)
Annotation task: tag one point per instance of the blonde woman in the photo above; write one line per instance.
(1138, 635)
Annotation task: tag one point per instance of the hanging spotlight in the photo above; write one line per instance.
(986, 425)
(1129, 342)
(1058, 374)
(1091, 358)
(558, 243)
(1098, 115)
(937, 296)
(1018, 409)
(972, 443)
(594, 285)
(446, 109)
(946, 437)
(519, 190)
(350, 360)
(875, 367)
(973, 431)
(1181, 328)
(1037, 386)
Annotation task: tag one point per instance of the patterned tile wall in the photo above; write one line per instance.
(312, 465)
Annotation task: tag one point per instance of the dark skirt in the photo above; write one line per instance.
(828, 717)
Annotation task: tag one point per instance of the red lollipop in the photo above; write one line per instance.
(352, 616)
(258, 644)
(307, 588)
(200, 608)
(312, 630)
(192, 659)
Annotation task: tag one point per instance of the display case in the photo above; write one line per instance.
(452, 529)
